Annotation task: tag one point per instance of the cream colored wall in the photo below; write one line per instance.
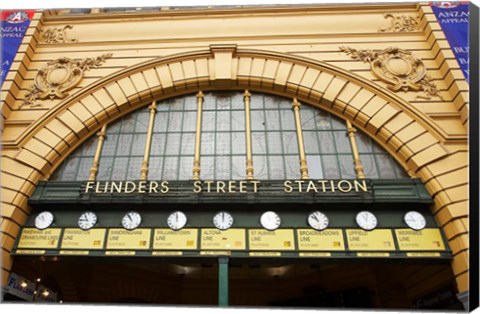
(275, 50)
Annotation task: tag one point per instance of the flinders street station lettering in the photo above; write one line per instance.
(225, 187)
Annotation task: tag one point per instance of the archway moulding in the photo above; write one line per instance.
(407, 134)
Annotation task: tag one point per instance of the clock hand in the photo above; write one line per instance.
(130, 217)
(315, 217)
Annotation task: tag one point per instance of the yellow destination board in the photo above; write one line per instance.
(423, 240)
(74, 238)
(278, 240)
(375, 240)
(33, 238)
(326, 240)
(168, 239)
(138, 239)
(231, 239)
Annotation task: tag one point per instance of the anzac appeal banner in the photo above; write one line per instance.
(453, 18)
(14, 26)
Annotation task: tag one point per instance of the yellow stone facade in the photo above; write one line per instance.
(288, 51)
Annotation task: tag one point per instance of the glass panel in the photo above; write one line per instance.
(89, 147)
(258, 143)
(138, 145)
(173, 144)
(337, 123)
(311, 142)
(322, 120)
(170, 168)
(134, 168)
(176, 104)
(109, 145)
(186, 168)
(288, 119)
(124, 144)
(208, 121)
(142, 121)
(238, 167)
(128, 123)
(188, 144)
(260, 167)
(274, 143)
(209, 101)
(276, 167)
(238, 120)
(342, 142)
(222, 168)
(364, 143)
(385, 166)
(161, 122)
(258, 120)
(155, 168)
(237, 101)
(191, 102)
(327, 144)
(223, 121)
(314, 167)
(256, 101)
(189, 121)
(369, 167)
(175, 121)
(272, 119)
(223, 101)
(84, 168)
(293, 167)
(238, 143)
(223, 144)
(271, 102)
(119, 169)
(290, 144)
(105, 168)
(208, 144)
(346, 167)
(206, 168)
(330, 167)
(158, 144)
(70, 170)
(308, 119)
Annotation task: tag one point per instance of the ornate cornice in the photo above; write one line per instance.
(401, 23)
(57, 35)
(398, 68)
(60, 76)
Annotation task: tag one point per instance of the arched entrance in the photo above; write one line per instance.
(374, 110)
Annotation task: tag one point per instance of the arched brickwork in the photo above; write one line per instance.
(400, 128)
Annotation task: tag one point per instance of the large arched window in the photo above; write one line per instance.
(223, 155)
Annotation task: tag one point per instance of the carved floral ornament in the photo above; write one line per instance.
(401, 23)
(398, 68)
(57, 35)
(58, 77)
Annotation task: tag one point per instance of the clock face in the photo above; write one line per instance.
(131, 220)
(223, 220)
(43, 220)
(177, 220)
(366, 220)
(270, 220)
(87, 220)
(415, 220)
(317, 220)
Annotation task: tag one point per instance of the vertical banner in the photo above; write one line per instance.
(453, 18)
(14, 26)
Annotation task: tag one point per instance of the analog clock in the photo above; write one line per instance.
(131, 220)
(44, 220)
(366, 220)
(270, 220)
(415, 220)
(317, 220)
(177, 220)
(87, 220)
(223, 220)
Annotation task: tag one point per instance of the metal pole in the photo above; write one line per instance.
(223, 281)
